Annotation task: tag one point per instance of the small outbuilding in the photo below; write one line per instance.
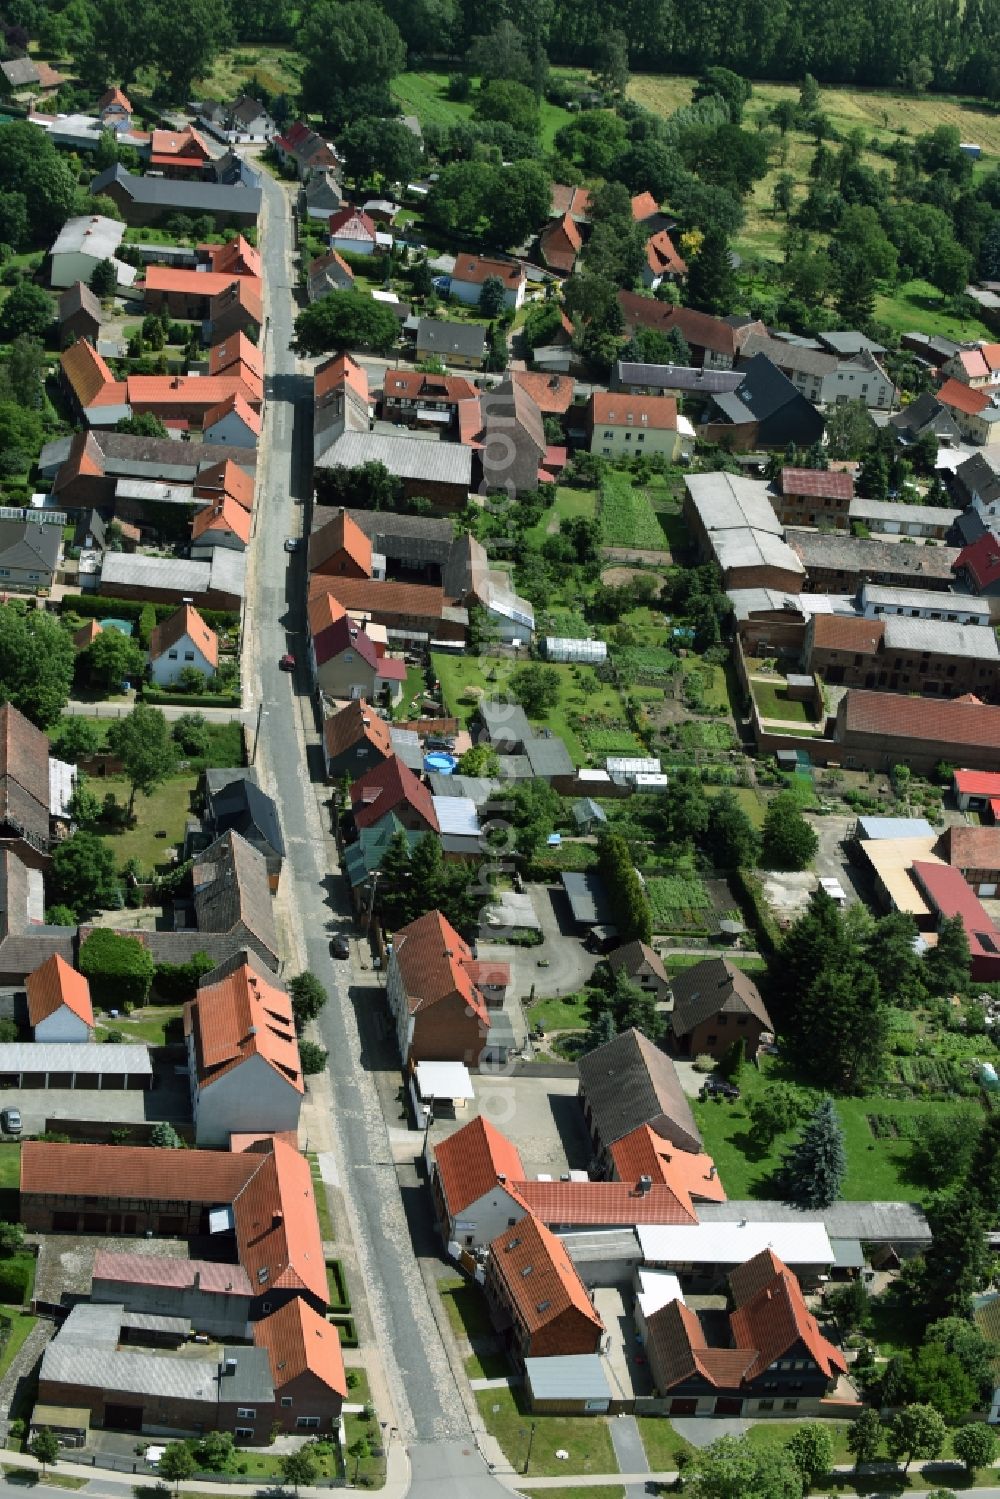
(570, 1384)
(59, 1004)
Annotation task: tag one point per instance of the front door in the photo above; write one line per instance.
(728, 1405)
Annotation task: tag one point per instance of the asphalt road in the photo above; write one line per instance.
(433, 1421)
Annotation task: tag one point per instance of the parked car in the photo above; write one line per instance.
(10, 1121)
(287, 662)
(717, 1087)
(340, 947)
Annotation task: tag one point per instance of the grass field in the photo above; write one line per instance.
(773, 701)
(322, 1205)
(166, 810)
(278, 68)
(585, 1438)
(148, 1027)
(676, 962)
(568, 504)
(917, 304)
(22, 1323)
(10, 1165)
(877, 1170)
(425, 95)
(626, 515)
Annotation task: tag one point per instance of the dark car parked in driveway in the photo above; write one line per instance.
(717, 1087)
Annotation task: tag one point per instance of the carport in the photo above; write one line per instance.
(33, 1064)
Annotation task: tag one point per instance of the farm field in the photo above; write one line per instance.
(425, 94)
(626, 515)
(679, 902)
(235, 71)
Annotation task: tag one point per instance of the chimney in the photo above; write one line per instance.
(229, 1367)
(713, 1172)
(501, 1179)
(196, 1283)
(645, 1185)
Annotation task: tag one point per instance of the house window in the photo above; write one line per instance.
(286, 1400)
(641, 437)
(766, 1405)
(308, 1423)
(189, 655)
(789, 1405)
(171, 655)
(348, 655)
(245, 1413)
(244, 1433)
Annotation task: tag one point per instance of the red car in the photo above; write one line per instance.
(287, 662)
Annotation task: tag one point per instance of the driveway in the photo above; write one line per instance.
(561, 964)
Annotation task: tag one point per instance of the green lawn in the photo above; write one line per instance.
(148, 1026)
(425, 95)
(876, 1168)
(414, 687)
(563, 1013)
(225, 746)
(166, 810)
(747, 797)
(677, 962)
(585, 1438)
(568, 504)
(10, 1165)
(917, 305)
(463, 682)
(713, 689)
(465, 1306)
(322, 1205)
(23, 1322)
(773, 702)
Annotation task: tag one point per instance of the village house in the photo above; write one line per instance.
(814, 497)
(347, 656)
(238, 309)
(641, 966)
(766, 410)
(462, 345)
(472, 1178)
(25, 799)
(81, 245)
(391, 787)
(233, 801)
(232, 896)
(341, 402)
(244, 122)
(233, 421)
(732, 521)
(975, 853)
(242, 1053)
(354, 232)
(300, 147)
(30, 550)
(932, 657)
(559, 243)
(439, 1009)
(79, 314)
(626, 426)
(539, 1305)
(629, 1082)
(716, 1006)
(59, 1004)
(714, 342)
(322, 193)
(472, 271)
(182, 640)
(307, 1367)
(147, 200)
(974, 412)
(224, 523)
(354, 739)
(326, 273)
(877, 730)
(663, 261)
(978, 565)
(420, 400)
(978, 791)
(340, 549)
(922, 416)
(840, 564)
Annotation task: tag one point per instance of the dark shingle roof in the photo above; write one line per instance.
(238, 804)
(231, 889)
(167, 192)
(714, 987)
(629, 1082)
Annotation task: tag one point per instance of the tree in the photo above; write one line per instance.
(956, 1265)
(380, 148)
(730, 839)
(534, 810)
(864, 1437)
(299, 1467)
(492, 297)
(711, 286)
(33, 167)
(775, 1111)
(36, 661)
(975, 1446)
(600, 1029)
(312, 1058)
(354, 50)
(83, 874)
(44, 1447)
(104, 279)
(915, 1431)
(788, 841)
(165, 1136)
(345, 319)
(936, 1377)
(26, 310)
(731, 1469)
(511, 102)
(191, 734)
(111, 659)
(142, 424)
(480, 760)
(536, 688)
(143, 744)
(215, 1452)
(502, 53)
(813, 1169)
(811, 1449)
(26, 367)
(944, 1147)
(947, 965)
(84, 805)
(963, 1338)
(118, 967)
(627, 896)
(75, 739)
(11, 1234)
(176, 1464)
(308, 998)
(723, 84)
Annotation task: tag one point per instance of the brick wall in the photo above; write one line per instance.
(447, 1032)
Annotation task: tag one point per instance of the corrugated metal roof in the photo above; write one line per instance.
(405, 457)
(71, 1056)
(575, 1376)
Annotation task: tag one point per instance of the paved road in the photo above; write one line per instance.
(431, 1414)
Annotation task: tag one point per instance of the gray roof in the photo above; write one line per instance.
(894, 827)
(747, 601)
(923, 598)
(411, 458)
(122, 1371)
(20, 71)
(729, 502)
(871, 1222)
(548, 756)
(940, 637)
(231, 889)
(714, 987)
(479, 789)
(225, 572)
(467, 339)
(150, 1322)
(568, 1376)
(588, 898)
(888, 510)
(90, 234)
(852, 554)
(790, 356)
(82, 1057)
(96, 1324)
(676, 377)
(629, 1082)
(168, 193)
(76, 298)
(504, 723)
(29, 544)
(236, 801)
(744, 547)
(847, 342)
(587, 810)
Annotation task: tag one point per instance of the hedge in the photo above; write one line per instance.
(340, 1300)
(93, 605)
(347, 1330)
(179, 981)
(756, 912)
(157, 699)
(119, 968)
(15, 1277)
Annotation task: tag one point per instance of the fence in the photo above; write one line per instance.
(138, 1467)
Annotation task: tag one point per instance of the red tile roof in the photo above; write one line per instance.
(970, 847)
(86, 635)
(186, 142)
(981, 560)
(237, 349)
(237, 256)
(552, 394)
(412, 385)
(846, 632)
(341, 370)
(662, 256)
(691, 1177)
(174, 1274)
(226, 478)
(572, 200)
(951, 895)
(541, 1280)
(140, 1171)
(560, 243)
(277, 1227)
(323, 611)
(233, 403)
(471, 1162)
(168, 278)
(352, 223)
(594, 1204)
(299, 1341)
(384, 787)
(184, 621)
(114, 96)
(775, 1317)
(700, 330)
(240, 1017)
(962, 397)
(85, 371)
(816, 481)
(475, 269)
(341, 534)
(431, 958)
(197, 392)
(679, 1351)
(620, 409)
(978, 782)
(960, 721)
(55, 984)
(222, 515)
(644, 205)
(353, 724)
(361, 595)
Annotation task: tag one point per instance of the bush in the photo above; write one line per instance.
(340, 1300)
(15, 1275)
(176, 982)
(704, 1063)
(119, 968)
(347, 1330)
